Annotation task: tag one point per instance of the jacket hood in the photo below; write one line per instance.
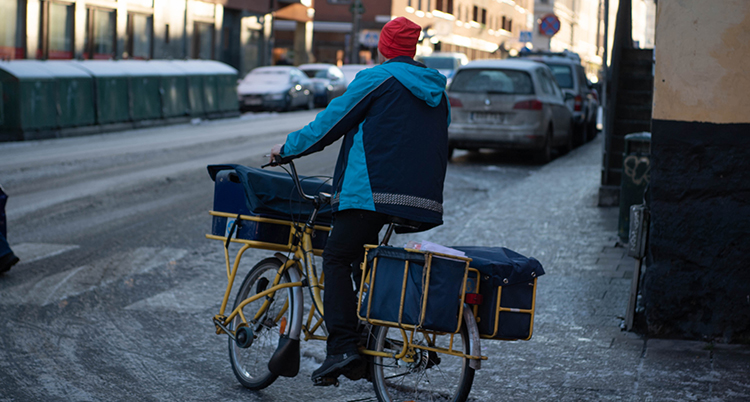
(425, 83)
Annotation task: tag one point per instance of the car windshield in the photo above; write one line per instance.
(492, 81)
(440, 63)
(316, 73)
(563, 75)
(268, 76)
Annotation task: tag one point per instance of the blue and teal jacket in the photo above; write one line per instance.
(394, 119)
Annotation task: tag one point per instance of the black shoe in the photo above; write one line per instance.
(328, 373)
(7, 261)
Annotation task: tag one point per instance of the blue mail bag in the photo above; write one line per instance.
(412, 289)
(508, 288)
(258, 193)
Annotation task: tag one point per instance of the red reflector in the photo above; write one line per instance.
(455, 102)
(578, 103)
(529, 105)
(473, 298)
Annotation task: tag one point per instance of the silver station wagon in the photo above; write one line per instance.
(509, 104)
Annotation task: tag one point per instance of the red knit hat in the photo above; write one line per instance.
(399, 37)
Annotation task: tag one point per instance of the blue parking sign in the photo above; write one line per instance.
(525, 36)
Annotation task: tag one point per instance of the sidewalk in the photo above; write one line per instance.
(578, 352)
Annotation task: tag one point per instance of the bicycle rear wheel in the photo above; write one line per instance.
(422, 375)
(250, 365)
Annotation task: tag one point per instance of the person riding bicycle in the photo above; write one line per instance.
(394, 118)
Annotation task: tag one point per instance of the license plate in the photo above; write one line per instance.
(253, 101)
(484, 117)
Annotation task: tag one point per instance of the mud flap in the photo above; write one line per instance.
(285, 360)
(474, 346)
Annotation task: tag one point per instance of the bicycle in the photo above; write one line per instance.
(405, 361)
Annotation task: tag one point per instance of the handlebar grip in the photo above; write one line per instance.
(276, 162)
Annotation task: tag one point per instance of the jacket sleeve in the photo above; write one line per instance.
(342, 114)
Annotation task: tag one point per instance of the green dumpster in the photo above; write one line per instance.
(29, 99)
(75, 93)
(196, 90)
(226, 85)
(144, 84)
(111, 90)
(211, 84)
(635, 177)
(173, 88)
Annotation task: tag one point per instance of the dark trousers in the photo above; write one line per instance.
(352, 229)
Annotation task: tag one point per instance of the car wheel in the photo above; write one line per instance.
(569, 142)
(591, 132)
(310, 101)
(544, 155)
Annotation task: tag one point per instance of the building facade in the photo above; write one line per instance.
(237, 32)
(481, 29)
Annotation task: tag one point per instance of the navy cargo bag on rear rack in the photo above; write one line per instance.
(271, 202)
(507, 291)
(413, 289)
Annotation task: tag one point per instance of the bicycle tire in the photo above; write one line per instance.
(250, 365)
(425, 379)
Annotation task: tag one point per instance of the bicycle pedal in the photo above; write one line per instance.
(325, 382)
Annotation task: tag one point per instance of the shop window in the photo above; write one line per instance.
(140, 33)
(100, 34)
(203, 40)
(56, 31)
(10, 45)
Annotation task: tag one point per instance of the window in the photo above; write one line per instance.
(449, 6)
(56, 39)
(563, 75)
(484, 16)
(8, 18)
(492, 81)
(100, 34)
(544, 82)
(439, 5)
(475, 15)
(140, 32)
(203, 41)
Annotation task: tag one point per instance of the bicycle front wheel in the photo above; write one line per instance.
(250, 365)
(422, 375)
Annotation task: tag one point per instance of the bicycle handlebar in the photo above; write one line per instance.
(295, 177)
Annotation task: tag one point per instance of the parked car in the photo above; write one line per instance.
(571, 76)
(445, 62)
(327, 79)
(275, 88)
(350, 71)
(508, 104)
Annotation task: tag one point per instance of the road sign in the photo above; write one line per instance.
(549, 25)
(369, 38)
(525, 36)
